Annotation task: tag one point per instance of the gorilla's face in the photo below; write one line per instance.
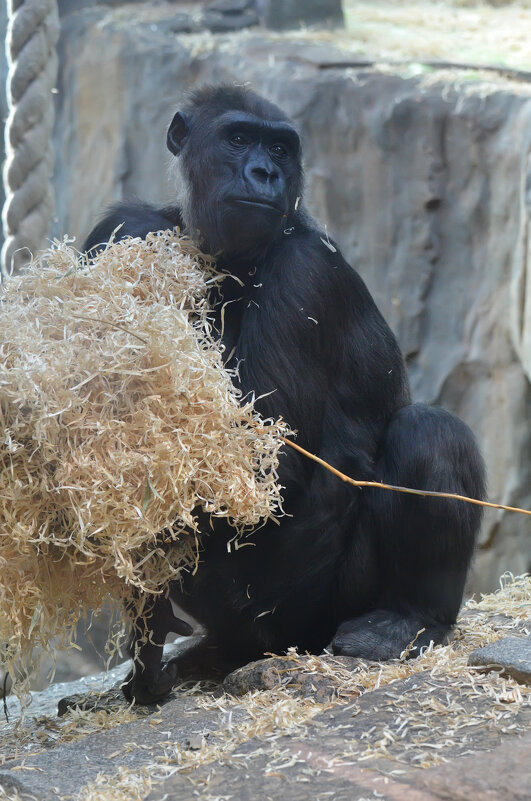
(242, 175)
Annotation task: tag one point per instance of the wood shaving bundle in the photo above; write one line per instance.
(118, 422)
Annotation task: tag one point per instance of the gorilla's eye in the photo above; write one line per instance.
(278, 150)
(238, 140)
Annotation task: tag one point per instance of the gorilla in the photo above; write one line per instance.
(363, 573)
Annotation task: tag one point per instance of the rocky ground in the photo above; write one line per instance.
(433, 727)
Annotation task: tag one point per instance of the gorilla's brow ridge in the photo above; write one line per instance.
(251, 123)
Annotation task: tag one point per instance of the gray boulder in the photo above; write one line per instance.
(510, 656)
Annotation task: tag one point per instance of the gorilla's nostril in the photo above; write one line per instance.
(261, 175)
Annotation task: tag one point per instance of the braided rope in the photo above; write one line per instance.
(31, 38)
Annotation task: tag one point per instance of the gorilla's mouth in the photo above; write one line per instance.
(259, 203)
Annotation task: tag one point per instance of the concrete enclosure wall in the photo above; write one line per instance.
(424, 183)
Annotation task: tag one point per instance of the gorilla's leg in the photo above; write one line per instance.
(423, 546)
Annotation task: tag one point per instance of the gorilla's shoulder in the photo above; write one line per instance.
(132, 219)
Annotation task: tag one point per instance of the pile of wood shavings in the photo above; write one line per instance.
(118, 421)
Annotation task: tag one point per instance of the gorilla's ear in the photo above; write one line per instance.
(177, 133)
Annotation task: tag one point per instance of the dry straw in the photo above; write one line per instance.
(118, 422)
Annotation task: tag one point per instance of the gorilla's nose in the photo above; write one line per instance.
(261, 175)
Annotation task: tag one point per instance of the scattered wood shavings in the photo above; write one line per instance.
(126, 785)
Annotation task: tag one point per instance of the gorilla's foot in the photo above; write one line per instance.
(383, 634)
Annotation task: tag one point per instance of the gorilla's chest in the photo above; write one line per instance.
(272, 338)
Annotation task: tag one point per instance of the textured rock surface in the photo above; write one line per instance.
(283, 14)
(318, 773)
(510, 655)
(424, 183)
(494, 776)
(371, 746)
(64, 770)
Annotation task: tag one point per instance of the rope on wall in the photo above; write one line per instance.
(32, 34)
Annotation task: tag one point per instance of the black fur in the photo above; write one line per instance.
(363, 571)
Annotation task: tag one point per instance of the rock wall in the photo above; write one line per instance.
(425, 182)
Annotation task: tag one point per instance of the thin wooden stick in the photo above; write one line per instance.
(379, 485)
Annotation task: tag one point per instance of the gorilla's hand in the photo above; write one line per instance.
(149, 687)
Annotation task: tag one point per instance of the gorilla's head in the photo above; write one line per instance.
(240, 169)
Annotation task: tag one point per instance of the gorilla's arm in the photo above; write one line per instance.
(132, 219)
